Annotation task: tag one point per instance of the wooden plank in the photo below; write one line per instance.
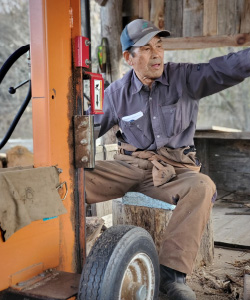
(227, 17)
(225, 227)
(193, 18)
(244, 17)
(231, 149)
(222, 135)
(174, 17)
(144, 9)
(157, 13)
(231, 181)
(230, 164)
(210, 17)
(189, 43)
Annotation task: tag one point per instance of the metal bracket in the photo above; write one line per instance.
(84, 142)
(66, 187)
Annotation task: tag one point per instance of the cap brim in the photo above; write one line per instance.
(144, 40)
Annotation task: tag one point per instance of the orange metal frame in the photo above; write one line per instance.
(51, 244)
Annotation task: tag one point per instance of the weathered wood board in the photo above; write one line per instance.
(190, 18)
(230, 230)
(227, 162)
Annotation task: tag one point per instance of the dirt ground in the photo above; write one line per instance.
(222, 280)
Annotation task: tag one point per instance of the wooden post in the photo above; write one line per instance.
(155, 221)
(111, 24)
(157, 13)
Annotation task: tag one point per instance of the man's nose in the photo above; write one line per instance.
(155, 52)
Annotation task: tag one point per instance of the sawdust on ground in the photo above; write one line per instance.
(222, 280)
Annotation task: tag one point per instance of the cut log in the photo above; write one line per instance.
(19, 156)
(155, 221)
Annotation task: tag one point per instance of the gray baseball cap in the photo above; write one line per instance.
(139, 32)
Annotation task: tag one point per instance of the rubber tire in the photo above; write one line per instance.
(107, 261)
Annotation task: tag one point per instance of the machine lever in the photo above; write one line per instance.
(12, 90)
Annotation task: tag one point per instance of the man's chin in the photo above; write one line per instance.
(157, 74)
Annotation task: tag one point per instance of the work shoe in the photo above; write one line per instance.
(173, 284)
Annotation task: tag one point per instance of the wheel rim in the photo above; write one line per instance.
(138, 282)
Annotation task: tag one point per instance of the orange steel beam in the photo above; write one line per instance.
(53, 105)
(56, 97)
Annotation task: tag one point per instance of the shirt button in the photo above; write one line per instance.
(154, 117)
(138, 125)
(150, 98)
(158, 136)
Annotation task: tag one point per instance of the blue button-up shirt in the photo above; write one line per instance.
(166, 114)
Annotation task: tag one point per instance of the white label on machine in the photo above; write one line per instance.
(98, 94)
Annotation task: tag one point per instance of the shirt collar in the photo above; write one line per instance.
(137, 84)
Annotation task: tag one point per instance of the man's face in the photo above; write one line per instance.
(147, 61)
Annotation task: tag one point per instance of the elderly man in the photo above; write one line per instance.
(156, 107)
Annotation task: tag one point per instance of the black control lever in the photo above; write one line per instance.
(12, 90)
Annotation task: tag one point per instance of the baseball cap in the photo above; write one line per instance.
(139, 32)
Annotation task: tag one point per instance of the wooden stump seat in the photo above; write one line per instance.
(154, 215)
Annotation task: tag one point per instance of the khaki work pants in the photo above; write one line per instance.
(194, 193)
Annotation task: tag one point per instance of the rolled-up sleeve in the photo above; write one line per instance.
(219, 74)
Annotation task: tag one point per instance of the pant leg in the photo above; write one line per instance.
(111, 180)
(181, 240)
(195, 191)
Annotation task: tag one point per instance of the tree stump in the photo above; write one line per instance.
(155, 221)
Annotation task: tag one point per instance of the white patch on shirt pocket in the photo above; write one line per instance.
(133, 117)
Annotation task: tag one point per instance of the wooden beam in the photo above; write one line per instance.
(210, 17)
(202, 42)
(222, 135)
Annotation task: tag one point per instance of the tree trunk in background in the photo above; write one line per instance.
(111, 26)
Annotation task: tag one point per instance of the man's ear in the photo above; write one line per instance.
(128, 57)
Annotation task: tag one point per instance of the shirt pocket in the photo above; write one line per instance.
(137, 132)
(178, 116)
(171, 119)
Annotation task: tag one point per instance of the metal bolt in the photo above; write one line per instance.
(59, 170)
(87, 62)
(87, 42)
(84, 142)
(84, 159)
